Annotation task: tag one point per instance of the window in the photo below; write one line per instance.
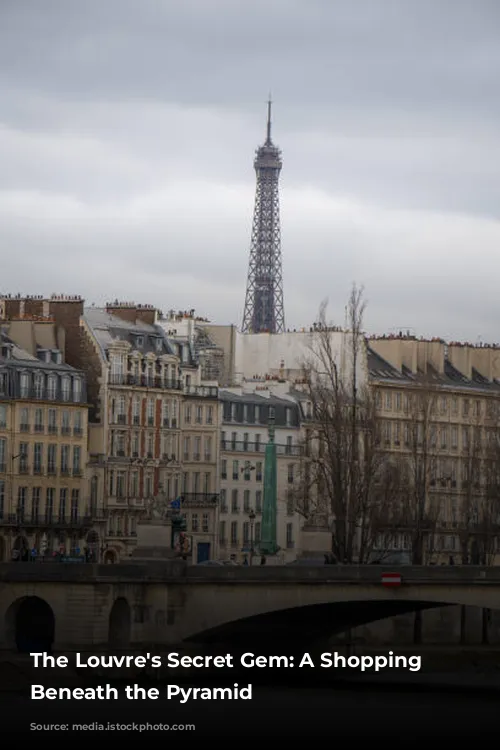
(2, 498)
(246, 501)
(196, 482)
(387, 432)
(23, 458)
(398, 401)
(223, 501)
(289, 535)
(197, 448)
(194, 522)
(258, 471)
(136, 410)
(210, 414)
(52, 421)
(77, 390)
(49, 503)
(39, 385)
(208, 449)
(187, 414)
(39, 420)
(77, 423)
(148, 486)
(288, 416)
(134, 484)
(52, 387)
(291, 470)
(388, 400)
(64, 459)
(75, 501)
(187, 448)
(3, 416)
(51, 458)
(66, 388)
(257, 532)
(206, 483)
(205, 526)
(3, 449)
(120, 484)
(77, 455)
(246, 438)
(288, 447)
(257, 413)
(465, 407)
(258, 438)
(258, 501)
(150, 445)
(397, 428)
(222, 532)
(25, 384)
(223, 469)
(234, 501)
(246, 532)
(234, 533)
(25, 420)
(37, 458)
(235, 469)
(151, 412)
(65, 423)
(444, 437)
(22, 495)
(233, 440)
(199, 414)
(63, 494)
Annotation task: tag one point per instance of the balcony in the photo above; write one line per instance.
(240, 446)
(39, 428)
(222, 542)
(48, 520)
(52, 429)
(202, 391)
(199, 500)
(145, 381)
(65, 430)
(2, 468)
(24, 427)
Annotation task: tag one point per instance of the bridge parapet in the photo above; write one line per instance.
(177, 571)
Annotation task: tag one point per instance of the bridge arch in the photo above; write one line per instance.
(30, 625)
(120, 624)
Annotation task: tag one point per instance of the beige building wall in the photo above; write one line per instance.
(44, 494)
(461, 406)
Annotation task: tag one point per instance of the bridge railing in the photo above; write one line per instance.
(177, 571)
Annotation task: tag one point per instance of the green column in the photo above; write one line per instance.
(268, 544)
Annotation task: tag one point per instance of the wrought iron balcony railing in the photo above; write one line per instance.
(242, 446)
(145, 381)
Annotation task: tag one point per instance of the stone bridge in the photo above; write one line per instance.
(67, 607)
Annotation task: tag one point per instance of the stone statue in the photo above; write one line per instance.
(157, 508)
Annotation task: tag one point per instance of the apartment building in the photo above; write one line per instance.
(244, 435)
(455, 429)
(44, 503)
(138, 379)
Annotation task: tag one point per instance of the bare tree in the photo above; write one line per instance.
(344, 475)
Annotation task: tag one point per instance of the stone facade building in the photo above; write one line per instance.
(244, 437)
(44, 503)
(145, 387)
(452, 438)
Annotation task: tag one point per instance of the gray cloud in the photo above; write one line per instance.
(127, 132)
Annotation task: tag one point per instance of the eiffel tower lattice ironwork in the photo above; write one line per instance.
(264, 311)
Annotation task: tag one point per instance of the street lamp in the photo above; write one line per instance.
(251, 517)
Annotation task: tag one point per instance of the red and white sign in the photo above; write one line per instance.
(391, 579)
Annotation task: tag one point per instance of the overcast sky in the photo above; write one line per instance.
(128, 130)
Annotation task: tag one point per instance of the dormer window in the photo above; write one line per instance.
(139, 341)
(66, 386)
(159, 345)
(52, 387)
(77, 390)
(25, 384)
(39, 385)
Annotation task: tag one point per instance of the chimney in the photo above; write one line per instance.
(66, 311)
(123, 310)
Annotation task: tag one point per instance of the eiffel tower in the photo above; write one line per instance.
(264, 312)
